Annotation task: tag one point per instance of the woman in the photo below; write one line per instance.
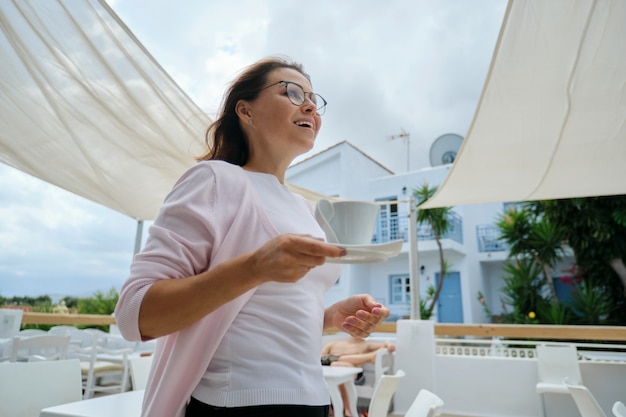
(233, 274)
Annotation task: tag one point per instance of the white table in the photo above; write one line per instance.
(127, 404)
(335, 376)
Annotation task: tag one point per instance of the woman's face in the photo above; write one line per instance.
(281, 129)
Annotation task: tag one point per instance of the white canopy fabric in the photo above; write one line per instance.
(85, 107)
(551, 121)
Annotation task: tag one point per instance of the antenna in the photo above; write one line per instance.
(406, 137)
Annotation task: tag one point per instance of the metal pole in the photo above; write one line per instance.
(408, 152)
(414, 278)
(138, 236)
(406, 137)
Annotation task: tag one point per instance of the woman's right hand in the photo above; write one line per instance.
(288, 257)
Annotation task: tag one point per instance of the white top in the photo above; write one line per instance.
(271, 352)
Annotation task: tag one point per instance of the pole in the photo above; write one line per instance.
(408, 152)
(407, 138)
(414, 278)
(138, 236)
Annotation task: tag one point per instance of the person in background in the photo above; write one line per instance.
(232, 277)
(352, 352)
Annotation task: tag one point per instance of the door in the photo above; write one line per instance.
(387, 225)
(450, 304)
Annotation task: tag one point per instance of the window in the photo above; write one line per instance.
(400, 289)
(388, 228)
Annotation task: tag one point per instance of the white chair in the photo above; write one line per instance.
(31, 332)
(425, 404)
(82, 346)
(63, 330)
(10, 322)
(102, 369)
(112, 341)
(139, 371)
(619, 409)
(383, 392)
(584, 399)
(82, 339)
(43, 347)
(383, 365)
(28, 387)
(554, 364)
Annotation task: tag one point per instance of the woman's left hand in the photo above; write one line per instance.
(357, 315)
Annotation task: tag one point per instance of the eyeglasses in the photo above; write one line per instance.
(297, 96)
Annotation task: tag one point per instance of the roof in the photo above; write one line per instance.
(342, 143)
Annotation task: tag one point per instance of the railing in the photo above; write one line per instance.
(519, 341)
(489, 239)
(519, 331)
(67, 319)
(522, 349)
(491, 370)
(393, 226)
(534, 331)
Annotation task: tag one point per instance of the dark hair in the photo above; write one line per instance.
(224, 137)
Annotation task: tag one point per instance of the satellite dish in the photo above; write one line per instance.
(444, 148)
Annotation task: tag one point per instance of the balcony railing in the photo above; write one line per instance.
(395, 226)
(489, 239)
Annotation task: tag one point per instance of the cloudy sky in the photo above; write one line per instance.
(415, 66)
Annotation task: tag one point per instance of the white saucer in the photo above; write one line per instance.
(364, 254)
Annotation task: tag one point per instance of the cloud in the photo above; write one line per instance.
(417, 66)
(383, 66)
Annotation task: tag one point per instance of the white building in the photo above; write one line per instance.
(472, 249)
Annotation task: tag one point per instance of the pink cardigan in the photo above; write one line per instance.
(211, 198)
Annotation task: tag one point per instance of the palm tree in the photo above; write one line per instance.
(439, 221)
(594, 227)
(538, 238)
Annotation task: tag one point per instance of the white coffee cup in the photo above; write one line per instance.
(349, 222)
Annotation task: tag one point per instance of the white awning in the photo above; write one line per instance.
(551, 122)
(85, 107)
